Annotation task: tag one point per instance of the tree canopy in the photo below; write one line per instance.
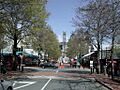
(19, 17)
(44, 40)
(100, 18)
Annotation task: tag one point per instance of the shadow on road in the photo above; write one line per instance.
(82, 84)
(77, 72)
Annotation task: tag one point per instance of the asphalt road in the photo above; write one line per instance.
(57, 82)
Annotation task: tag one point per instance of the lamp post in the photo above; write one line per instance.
(0, 60)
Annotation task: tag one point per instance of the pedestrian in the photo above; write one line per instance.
(78, 62)
(91, 66)
(109, 69)
(3, 69)
(74, 63)
(39, 62)
(70, 63)
(21, 63)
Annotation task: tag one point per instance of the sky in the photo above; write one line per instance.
(61, 14)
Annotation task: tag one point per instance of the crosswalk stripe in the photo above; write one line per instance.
(22, 82)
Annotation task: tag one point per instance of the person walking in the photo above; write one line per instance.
(21, 63)
(78, 62)
(3, 69)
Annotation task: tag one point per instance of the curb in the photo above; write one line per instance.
(107, 86)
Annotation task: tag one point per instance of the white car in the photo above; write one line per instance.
(6, 85)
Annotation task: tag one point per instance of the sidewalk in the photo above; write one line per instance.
(101, 78)
(105, 80)
(15, 74)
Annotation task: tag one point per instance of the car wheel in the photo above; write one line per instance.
(9, 88)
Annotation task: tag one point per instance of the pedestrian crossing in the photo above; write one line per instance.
(22, 84)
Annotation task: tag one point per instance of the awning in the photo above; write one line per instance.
(21, 52)
(86, 55)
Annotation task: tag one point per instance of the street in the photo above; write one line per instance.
(63, 81)
(59, 44)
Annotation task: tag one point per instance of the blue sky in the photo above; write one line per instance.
(61, 14)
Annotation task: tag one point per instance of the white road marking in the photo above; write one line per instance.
(14, 83)
(46, 84)
(22, 82)
(47, 77)
(56, 71)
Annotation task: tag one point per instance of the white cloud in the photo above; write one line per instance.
(60, 38)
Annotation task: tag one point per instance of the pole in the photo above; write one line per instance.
(0, 60)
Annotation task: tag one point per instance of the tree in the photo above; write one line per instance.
(71, 50)
(116, 51)
(78, 43)
(14, 22)
(3, 43)
(19, 16)
(52, 45)
(45, 40)
(114, 25)
(95, 18)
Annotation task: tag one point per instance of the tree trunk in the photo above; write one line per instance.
(98, 61)
(98, 52)
(0, 54)
(111, 56)
(14, 53)
(101, 54)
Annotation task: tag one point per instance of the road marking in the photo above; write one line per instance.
(47, 77)
(14, 83)
(46, 84)
(56, 71)
(22, 82)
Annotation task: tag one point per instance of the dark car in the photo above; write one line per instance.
(31, 60)
(48, 65)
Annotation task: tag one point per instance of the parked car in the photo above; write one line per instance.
(6, 85)
(27, 61)
(48, 65)
(31, 60)
(35, 62)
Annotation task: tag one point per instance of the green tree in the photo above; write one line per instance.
(52, 45)
(72, 47)
(45, 40)
(78, 43)
(3, 43)
(117, 51)
(18, 17)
